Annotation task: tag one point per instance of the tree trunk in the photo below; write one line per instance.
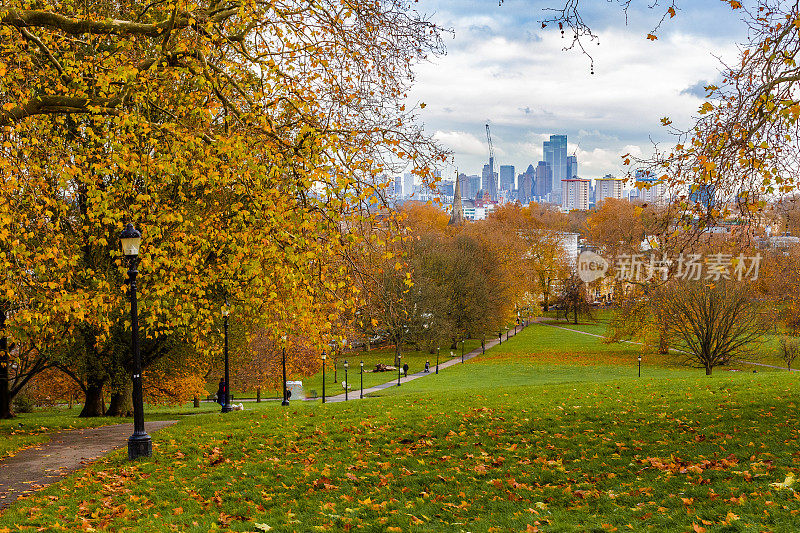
(93, 405)
(708, 371)
(196, 402)
(663, 345)
(121, 403)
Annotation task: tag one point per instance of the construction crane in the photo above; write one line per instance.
(492, 185)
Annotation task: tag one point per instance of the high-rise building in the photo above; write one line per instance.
(507, 178)
(649, 188)
(463, 184)
(608, 187)
(544, 180)
(398, 187)
(555, 155)
(474, 186)
(572, 167)
(703, 194)
(408, 184)
(489, 177)
(575, 194)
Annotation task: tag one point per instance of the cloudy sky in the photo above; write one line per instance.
(501, 66)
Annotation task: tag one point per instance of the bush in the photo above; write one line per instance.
(22, 404)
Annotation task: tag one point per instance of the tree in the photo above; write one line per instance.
(244, 139)
(789, 350)
(713, 323)
(573, 300)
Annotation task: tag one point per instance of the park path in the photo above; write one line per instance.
(639, 343)
(354, 394)
(35, 468)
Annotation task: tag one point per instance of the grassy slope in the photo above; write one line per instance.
(552, 431)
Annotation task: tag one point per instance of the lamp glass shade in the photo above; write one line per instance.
(226, 310)
(131, 240)
(362, 364)
(346, 365)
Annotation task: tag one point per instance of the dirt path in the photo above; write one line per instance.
(35, 468)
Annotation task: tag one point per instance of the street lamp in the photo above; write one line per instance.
(139, 444)
(500, 336)
(362, 381)
(437, 359)
(285, 395)
(323, 375)
(226, 407)
(346, 366)
(462, 349)
(640, 365)
(398, 369)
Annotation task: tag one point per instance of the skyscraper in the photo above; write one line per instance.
(408, 184)
(572, 167)
(544, 179)
(555, 155)
(489, 177)
(507, 178)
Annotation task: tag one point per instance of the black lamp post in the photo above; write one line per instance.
(398, 369)
(437, 360)
(323, 375)
(285, 396)
(500, 336)
(139, 444)
(226, 407)
(462, 349)
(483, 344)
(346, 366)
(362, 381)
(5, 407)
(640, 366)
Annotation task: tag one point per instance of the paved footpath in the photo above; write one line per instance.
(35, 468)
(355, 392)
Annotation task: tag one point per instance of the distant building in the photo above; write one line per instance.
(569, 242)
(649, 188)
(489, 178)
(703, 194)
(555, 155)
(408, 184)
(544, 180)
(608, 187)
(572, 167)
(575, 194)
(507, 178)
(527, 180)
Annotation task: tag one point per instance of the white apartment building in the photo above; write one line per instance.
(608, 187)
(575, 194)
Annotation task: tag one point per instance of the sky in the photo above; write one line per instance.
(502, 67)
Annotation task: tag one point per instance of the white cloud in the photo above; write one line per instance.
(461, 143)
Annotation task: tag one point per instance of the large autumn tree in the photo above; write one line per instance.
(242, 138)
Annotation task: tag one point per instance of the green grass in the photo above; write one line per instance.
(552, 431)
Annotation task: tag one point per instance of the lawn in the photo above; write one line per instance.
(552, 431)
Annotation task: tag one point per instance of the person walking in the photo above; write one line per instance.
(405, 369)
(223, 387)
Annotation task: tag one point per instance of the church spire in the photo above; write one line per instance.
(457, 213)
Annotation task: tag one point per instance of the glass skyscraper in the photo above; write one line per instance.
(555, 155)
(507, 178)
